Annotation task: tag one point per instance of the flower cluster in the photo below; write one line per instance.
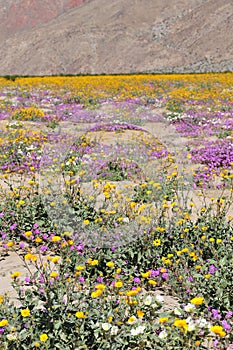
(123, 230)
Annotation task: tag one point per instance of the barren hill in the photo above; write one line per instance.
(118, 36)
(17, 15)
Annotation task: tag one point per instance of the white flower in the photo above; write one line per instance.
(114, 330)
(12, 336)
(177, 312)
(191, 324)
(162, 335)
(138, 330)
(159, 298)
(106, 326)
(126, 220)
(202, 323)
(189, 307)
(191, 327)
(148, 300)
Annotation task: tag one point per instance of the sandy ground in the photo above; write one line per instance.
(9, 264)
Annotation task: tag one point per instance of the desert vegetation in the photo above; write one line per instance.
(116, 197)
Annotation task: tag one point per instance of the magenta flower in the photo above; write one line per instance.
(137, 280)
(12, 227)
(226, 325)
(43, 248)
(229, 314)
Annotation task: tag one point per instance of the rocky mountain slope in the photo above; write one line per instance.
(102, 36)
(18, 15)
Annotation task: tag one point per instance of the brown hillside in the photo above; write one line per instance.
(26, 14)
(119, 36)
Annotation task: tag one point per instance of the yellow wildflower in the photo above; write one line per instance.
(157, 242)
(181, 324)
(132, 320)
(3, 323)
(25, 312)
(132, 293)
(93, 262)
(140, 313)
(146, 274)
(96, 294)
(43, 337)
(100, 286)
(197, 301)
(54, 274)
(15, 274)
(55, 259)
(218, 330)
(152, 282)
(118, 284)
(28, 233)
(56, 238)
